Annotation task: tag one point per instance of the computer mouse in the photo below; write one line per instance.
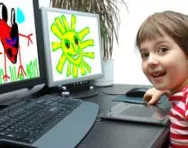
(136, 92)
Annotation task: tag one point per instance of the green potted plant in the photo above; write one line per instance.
(109, 17)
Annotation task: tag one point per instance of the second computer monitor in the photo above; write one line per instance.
(72, 46)
(21, 45)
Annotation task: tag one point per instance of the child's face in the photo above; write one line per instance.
(164, 63)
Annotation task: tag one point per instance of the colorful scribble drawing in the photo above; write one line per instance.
(72, 46)
(9, 37)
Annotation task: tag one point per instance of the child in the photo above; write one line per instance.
(163, 44)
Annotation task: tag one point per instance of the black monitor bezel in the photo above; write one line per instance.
(29, 83)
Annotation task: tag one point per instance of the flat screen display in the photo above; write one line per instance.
(72, 46)
(20, 51)
(18, 44)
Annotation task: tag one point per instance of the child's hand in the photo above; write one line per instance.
(152, 96)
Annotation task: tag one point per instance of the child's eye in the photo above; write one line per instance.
(163, 50)
(144, 55)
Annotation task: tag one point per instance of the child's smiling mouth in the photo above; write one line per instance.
(157, 74)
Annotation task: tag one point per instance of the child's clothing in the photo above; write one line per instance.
(179, 119)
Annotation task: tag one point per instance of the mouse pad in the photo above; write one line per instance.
(123, 98)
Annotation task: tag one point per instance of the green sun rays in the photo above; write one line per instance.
(72, 59)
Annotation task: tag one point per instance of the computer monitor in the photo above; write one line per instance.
(72, 46)
(20, 45)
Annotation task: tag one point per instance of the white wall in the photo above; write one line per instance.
(127, 66)
(44, 3)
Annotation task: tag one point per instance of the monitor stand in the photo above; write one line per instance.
(79, 90)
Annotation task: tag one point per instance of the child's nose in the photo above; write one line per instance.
(152, 60)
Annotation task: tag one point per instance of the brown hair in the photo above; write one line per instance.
(171, 23)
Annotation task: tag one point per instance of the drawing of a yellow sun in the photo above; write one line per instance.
(72, 46)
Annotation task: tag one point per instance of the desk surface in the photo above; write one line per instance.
(116, 134)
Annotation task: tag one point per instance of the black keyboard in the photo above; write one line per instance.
(28, 120)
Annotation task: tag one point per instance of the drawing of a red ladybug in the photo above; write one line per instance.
(9, 37)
